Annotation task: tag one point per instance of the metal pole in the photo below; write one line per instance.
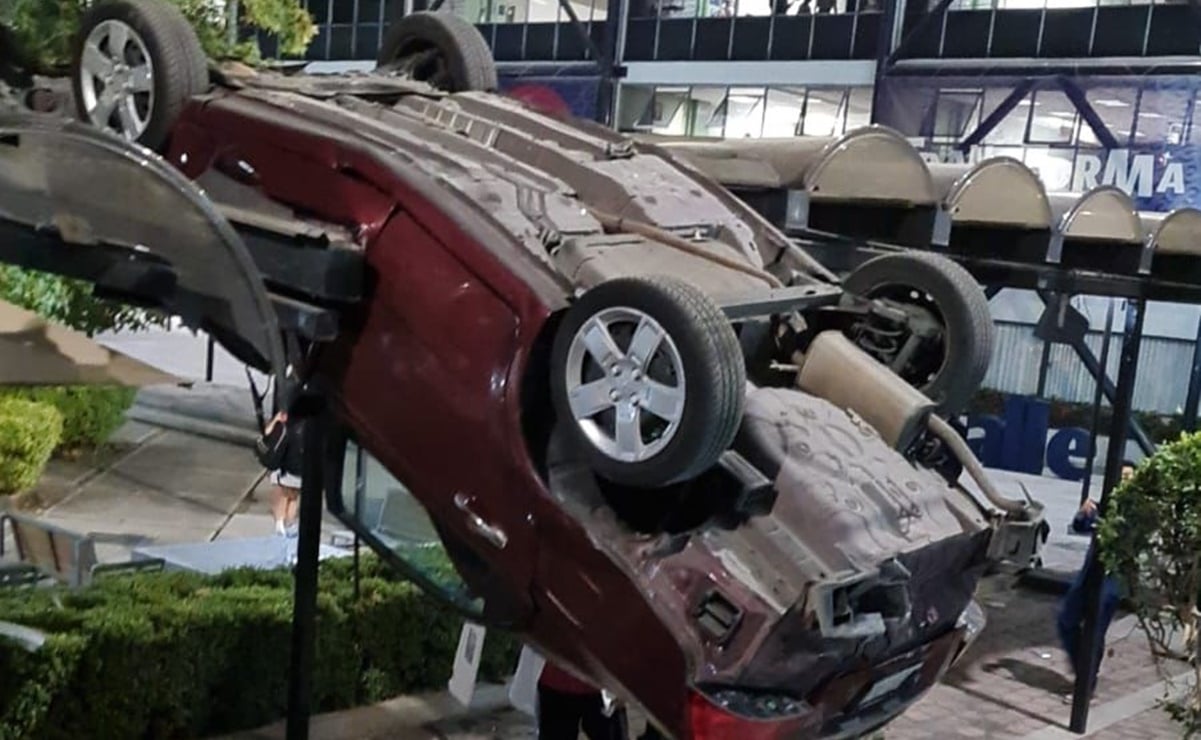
(208, 359)
(1042, 370)
(304, 606)
(1194, 386)
(1094, 427)
(1092, 643)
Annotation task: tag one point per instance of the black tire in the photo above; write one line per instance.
(440, 49)
(713, 368)
(953, 295)
(180, 68)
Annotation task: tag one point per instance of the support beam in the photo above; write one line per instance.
(890, 21)
(1088, 112)
(934, 14)
(992, 120)
(1100, 373)
(1090, 643)
(1094, 428)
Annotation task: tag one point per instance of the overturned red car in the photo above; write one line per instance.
(655, 438)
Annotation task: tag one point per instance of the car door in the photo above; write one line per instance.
(425, 385)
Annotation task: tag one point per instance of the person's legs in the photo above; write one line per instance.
(558, 714)
(1110, 598)
(1071, 610)
(599, 727)
(279, 507)
(292, 509)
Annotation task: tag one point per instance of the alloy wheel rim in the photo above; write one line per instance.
(117, 79)
(625, 384)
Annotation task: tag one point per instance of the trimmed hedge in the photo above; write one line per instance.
(29, 432)
(183, 655)
(90, 414)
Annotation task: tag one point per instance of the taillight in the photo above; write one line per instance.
(748, 717)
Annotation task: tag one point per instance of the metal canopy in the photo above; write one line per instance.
(873, 185)
(1102, 214)
(1178, 232)
(872, 164)
(1000, 191)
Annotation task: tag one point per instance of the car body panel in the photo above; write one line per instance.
(479, 222)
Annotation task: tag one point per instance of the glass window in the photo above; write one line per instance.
(1052, 165)
(956, 114)
(543, 11)
(634, 109)
(381, 508)
(859, 108)
(706, 111)
(680, 8)
(783, 114)
(745, 112)
(1161, 117)
(511, 11)
(669, 112)
(1012, 128)
(824, 112)
(1115, 106)
(754, 7)
(1053, 120)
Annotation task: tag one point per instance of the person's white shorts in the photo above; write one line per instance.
(287, 480)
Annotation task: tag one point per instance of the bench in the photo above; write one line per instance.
(65, 556)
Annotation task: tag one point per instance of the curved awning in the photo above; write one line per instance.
(1102, 214)
(747, 163)
(869, 164)
(1177, 232)
(1000, 191)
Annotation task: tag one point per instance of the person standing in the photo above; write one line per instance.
(285, 495)
(1070, 621)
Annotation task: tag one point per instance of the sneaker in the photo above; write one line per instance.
(280, 531)
(293, 531)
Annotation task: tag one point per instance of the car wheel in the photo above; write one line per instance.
(649, 377)
(440, 49)
(136, 64)
(950, 366)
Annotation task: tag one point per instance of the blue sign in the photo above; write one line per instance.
(1018, 441)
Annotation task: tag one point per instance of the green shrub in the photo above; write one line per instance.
(29, 432)
(184, 655)
(1150, 538)
(90, 414)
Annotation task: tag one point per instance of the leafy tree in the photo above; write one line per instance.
(1151, 539)
(70, 302)
(45, 29)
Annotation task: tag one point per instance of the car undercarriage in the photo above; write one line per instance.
(671, 405)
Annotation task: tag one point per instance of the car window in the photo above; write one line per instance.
(396, 526)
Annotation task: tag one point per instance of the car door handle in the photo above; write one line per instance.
(493, 534)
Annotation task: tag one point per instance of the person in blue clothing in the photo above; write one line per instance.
(1071, 610)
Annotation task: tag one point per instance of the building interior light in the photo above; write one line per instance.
(1112, 103)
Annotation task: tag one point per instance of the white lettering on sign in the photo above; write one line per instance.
(1134, 174)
